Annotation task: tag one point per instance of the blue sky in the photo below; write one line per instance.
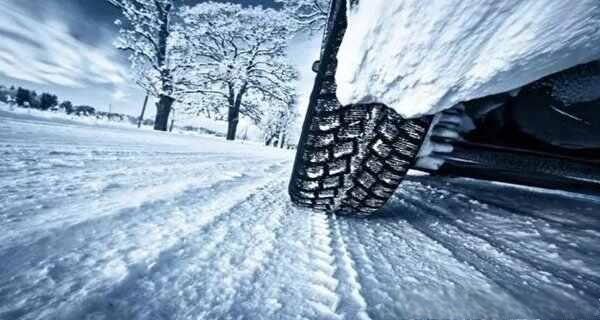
(65, 47)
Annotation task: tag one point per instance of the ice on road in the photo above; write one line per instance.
(117, 223)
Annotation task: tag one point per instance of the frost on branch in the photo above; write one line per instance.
(308, 15)
(146, 33)
(235, 58)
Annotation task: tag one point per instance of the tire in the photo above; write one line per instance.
(350, 159)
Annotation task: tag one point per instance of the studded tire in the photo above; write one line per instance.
(350, 159)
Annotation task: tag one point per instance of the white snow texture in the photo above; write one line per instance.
(421, 57)
(107, 222)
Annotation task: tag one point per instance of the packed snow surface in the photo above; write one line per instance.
(421, 57)
(100, 222)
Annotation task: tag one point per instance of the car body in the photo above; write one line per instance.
(351, 158)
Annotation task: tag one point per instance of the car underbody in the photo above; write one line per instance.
(532, 135)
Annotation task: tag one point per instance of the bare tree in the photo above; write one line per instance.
(236, 57)
(309, 15)
(147, 36)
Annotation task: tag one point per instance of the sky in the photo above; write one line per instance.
(66, 47)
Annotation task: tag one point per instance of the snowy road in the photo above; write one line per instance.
(117, 223)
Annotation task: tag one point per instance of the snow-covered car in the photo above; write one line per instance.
(500, 90)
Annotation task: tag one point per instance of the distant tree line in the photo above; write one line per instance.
(25, 98)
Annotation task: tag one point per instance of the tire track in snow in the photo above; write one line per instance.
(352, 303)
(260, 239)
(545, 292)
(466, 250)
(116, 202)
(73, 181)
(200, 277)
(439, 278)
(323, 284)
(501, 229)
(551, 234)
(298, 282)
(378, 245)
(570, 215)
(276, 292)
(92, 255)
(557, 236)
(540, 215)
(111, 256)
(50, 206)
(379, 300)
(40, 186)
(242, 305)
(421, 278)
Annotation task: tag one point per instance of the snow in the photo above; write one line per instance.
(108, 222)
(423, 58)
(62, 116)
(185, 124)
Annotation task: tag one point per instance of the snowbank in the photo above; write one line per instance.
(421, 57)
(196, 126)
(61, 116)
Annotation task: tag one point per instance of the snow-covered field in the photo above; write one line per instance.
(200, 123)
(100, 222)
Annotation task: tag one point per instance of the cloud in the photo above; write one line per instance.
(43, 51)
(119, 95)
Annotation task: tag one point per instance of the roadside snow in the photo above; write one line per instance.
(423, 57)
(100, 222)
(197, 125)
(61, 116)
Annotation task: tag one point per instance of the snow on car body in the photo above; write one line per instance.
(421, 58)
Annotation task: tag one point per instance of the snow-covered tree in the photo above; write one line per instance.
(48, 101)
(209, 106)
(147, 35)
(309, 15)
(10, 100)
(236, 58)
(66, 107)
(279, 124)
(22, 97)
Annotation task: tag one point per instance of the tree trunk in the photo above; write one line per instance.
(141, 119)
(163, 109)
(283, 141)
(269, 140)
(233, 118)
(232, 129)
(235, 103)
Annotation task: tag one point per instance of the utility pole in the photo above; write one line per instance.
(143, 111)
(172, 120)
